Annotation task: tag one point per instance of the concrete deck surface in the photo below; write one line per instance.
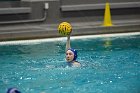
(34, 31)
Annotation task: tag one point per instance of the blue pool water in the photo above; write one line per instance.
(109, 65)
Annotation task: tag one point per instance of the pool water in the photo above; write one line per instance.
(109, 65)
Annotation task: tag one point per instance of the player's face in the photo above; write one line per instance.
(69, 56)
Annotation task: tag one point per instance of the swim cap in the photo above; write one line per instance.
(74, 52)
(13, 90)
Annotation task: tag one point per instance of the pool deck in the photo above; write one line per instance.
(38, 31)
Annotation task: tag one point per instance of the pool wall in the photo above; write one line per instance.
(30, 19)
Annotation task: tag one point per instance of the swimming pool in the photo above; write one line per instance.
(111, 64)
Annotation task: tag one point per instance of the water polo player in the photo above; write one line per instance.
(71, 54)
(65, 29)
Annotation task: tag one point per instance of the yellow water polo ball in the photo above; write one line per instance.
(65, 28)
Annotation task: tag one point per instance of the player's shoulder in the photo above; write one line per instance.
(76, 64)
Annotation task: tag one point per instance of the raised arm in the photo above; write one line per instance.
(68, 43)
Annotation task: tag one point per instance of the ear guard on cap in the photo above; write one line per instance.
(13, 90)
